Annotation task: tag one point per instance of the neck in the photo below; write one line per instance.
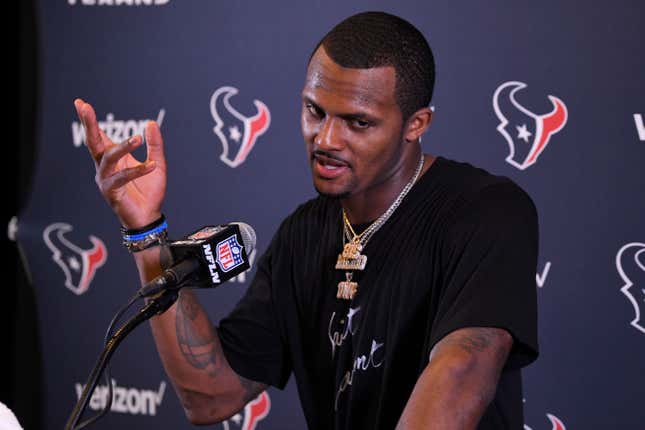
(369, 205)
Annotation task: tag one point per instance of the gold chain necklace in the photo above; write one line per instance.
(351, 258)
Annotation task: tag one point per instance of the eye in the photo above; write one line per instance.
(313, 110)
(360, 124)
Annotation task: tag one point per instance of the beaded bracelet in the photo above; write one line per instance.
(155, 233)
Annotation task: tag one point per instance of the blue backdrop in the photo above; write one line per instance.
(548, 93)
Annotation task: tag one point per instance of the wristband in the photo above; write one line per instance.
(155, 233)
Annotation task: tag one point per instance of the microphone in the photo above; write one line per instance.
(206, 258)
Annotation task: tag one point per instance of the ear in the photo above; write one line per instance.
(417, 124)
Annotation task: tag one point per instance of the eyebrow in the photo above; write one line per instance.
(345, 115)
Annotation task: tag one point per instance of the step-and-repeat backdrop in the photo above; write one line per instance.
(550, 94)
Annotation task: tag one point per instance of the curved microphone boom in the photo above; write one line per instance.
(206, 258)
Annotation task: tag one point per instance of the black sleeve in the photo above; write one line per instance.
(250, 334)
(489, 259)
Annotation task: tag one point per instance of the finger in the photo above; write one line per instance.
(154, 143)
(87, 116)
(110, 158)
(107, 144)
(124, 176)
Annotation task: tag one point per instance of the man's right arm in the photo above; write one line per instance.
(190, 350)
(187, 342)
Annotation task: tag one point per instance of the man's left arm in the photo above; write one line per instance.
(459, 381)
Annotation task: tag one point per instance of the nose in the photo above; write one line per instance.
(328, 137)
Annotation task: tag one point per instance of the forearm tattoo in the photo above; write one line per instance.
(200, 345)
(197, 338)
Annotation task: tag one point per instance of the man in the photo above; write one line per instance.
(403, 296)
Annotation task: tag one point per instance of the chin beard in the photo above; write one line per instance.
(337, 196)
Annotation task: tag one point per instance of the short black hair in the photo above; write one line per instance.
(378, 39)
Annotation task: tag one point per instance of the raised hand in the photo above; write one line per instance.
(134, 190)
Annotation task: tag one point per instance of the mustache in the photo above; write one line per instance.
(327, 154)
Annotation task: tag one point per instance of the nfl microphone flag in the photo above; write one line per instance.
(222, 251)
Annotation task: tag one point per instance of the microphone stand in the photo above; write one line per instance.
(155, 306)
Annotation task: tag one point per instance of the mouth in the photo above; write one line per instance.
(328, 167)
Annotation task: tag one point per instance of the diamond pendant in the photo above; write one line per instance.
(347, 289)
(351, 258)
(351, 263)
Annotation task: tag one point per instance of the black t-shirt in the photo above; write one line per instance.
(460, 251)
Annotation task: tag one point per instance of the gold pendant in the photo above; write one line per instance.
(352, 250)
(351, 258)
(351, 263)
(347, 289)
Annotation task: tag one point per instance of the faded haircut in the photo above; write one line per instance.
(378, 39)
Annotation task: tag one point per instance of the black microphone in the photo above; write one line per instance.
(206, 258)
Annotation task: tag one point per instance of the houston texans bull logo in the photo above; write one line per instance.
(236, 132)
(528, 134)
(630, 263)
(254, 412)
(556, 424)
(78, 265)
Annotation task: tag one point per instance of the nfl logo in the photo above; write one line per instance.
(229, 254)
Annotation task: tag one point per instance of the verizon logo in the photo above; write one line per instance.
(117, 130)
(126, 400)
